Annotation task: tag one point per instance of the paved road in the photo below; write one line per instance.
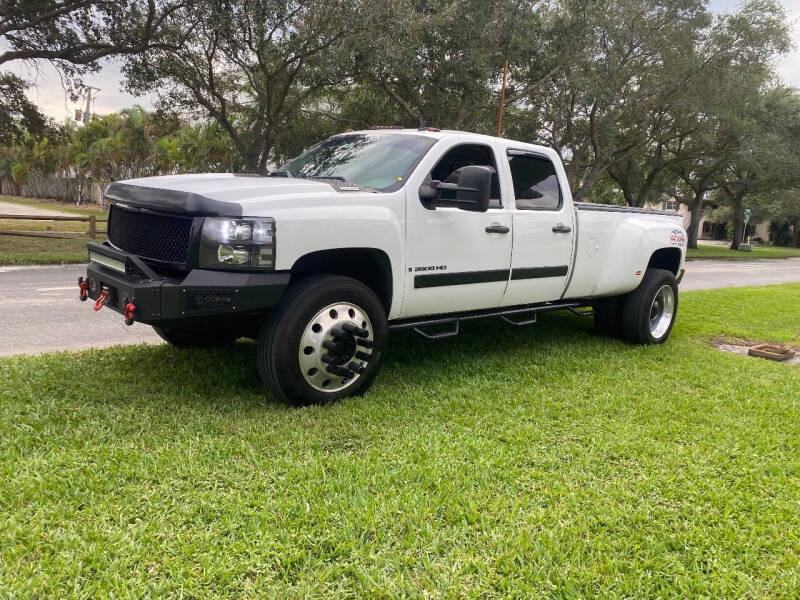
(39, 310)
(708, 274)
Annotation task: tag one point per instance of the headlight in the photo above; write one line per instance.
(238, 243)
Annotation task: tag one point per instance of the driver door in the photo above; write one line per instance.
(456, 260)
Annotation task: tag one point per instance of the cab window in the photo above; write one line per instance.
(462, 156)
(535, 182)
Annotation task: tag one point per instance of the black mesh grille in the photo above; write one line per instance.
(156, 237)
(203, 300)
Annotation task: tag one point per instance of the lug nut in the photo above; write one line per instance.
(355, 330)
(354, 366)
(340, 371)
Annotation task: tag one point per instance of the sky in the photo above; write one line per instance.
(48, 94)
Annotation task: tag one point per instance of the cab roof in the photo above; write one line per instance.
(439, 134)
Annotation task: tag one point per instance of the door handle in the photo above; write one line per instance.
(560, 228)
(497, 228)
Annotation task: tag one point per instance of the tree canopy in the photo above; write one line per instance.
(644, 100)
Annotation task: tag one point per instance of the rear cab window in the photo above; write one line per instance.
(535, 181)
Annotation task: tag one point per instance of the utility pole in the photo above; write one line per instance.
(86, 115)
(502, 100)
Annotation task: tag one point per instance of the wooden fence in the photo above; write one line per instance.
(64, 235)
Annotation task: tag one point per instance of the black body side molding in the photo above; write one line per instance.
(444, 279)
(539, 272)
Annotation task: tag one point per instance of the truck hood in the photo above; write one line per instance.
(217, 194)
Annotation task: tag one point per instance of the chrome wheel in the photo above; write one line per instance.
(662, 311)
(336, 347)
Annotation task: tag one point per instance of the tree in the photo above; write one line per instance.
(250, 66)
(18, 115)
(721, 64)
(607, 104)
(766, 159)
(440, 62)
(782, 208)
(75, 34)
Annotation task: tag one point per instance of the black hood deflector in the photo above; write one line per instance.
(187, 203)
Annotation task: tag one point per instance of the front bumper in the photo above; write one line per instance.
(200, 294)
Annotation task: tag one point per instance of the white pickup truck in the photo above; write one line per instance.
(375, 230)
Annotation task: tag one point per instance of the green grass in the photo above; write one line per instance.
(725, 253)
(17, 250)
(507, 462)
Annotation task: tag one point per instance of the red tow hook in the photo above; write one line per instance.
(101, 300)
(130, 308)
(84, 289)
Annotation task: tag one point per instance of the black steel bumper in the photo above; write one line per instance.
(200, 293)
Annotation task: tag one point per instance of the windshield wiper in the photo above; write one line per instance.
(336, 177)
(278, 173)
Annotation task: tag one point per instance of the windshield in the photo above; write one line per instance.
(381, 162)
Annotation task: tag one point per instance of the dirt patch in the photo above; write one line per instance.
(742, 346)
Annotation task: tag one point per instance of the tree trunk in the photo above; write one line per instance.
(579, 194)
(630, 200)
(695, 215)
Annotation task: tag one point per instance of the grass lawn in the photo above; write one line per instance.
(725, 253)
(507, 462)
(17, 250)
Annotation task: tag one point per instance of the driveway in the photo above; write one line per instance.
(40, 312)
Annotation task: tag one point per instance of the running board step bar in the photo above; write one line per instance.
(508, 314)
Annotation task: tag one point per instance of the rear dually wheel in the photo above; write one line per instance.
(648, 312)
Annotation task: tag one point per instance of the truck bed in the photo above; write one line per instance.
(625, 209)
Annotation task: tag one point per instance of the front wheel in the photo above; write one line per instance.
(649, 312)
(324, 341)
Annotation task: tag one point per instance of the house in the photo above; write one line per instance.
(710, 230)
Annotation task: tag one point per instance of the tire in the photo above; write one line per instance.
(309, 324)
(648, 312)
(608, 316)
(185, 337)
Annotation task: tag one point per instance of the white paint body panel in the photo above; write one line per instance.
(604, 250)
(536, 245)
(453, 238)
(614, 246)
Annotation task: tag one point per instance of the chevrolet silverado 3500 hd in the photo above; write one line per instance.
(375, 230)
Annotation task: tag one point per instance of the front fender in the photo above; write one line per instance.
(305, 230)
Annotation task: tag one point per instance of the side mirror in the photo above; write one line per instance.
(472, 186)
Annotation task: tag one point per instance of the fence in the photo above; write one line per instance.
(92, 232)
(66, 189)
